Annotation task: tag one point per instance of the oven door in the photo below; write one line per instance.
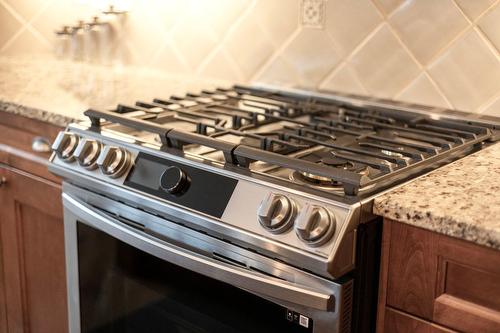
(131, 271)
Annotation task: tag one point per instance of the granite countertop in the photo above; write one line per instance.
(58, 91)
(461, 199)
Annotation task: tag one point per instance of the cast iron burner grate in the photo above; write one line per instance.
(356, 147)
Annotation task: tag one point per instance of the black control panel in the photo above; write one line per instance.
(191, 187)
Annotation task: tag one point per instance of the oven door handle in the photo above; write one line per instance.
(254, 282)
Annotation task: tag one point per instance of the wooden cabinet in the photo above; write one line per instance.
(32, 262)
(400, 322)
(438, 279)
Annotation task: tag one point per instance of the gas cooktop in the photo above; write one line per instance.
(333, 145)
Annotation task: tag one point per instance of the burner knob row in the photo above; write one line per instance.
(314, 225)
(91, 154)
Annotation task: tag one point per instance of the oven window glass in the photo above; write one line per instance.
(123, 289)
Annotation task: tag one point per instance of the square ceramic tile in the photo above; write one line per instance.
(427, 26)
(474, 8)
(344, 79)
(195, 40)
(277, 18)
(168, 12)
(144, 32)
(349, 22)
(490, 25)
(493, 108)
(59, 13)
(279, 72)
(423, 91)
(383, 65)
(468, 73)
(27, 8)
(312, 55)
(27, 43)
(169, 60)
(388, 6)
(220, 14)
(248, 51)
(9, 26)
(220, 66)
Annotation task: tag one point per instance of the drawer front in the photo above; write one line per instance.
(399, 322)
(443, 280)
(25, 144)
(468, 287)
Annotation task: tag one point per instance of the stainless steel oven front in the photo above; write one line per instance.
(133, 271)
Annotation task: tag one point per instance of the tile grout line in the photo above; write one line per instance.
(481, 33)
(336, 66)
(351, 55)
(169, 41)
(33, 30)
(220, 46)
(423, 69)
(484, 38)
(19, 18)
(355, 50)
(481, 108)
(277, 53)
(343, 64)
(165, 40)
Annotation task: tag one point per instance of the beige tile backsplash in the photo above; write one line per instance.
(444, 53)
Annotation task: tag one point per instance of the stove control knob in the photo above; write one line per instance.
(315, 225)
(174, 180)
(87, 153)
(276, 213)
(64, 146)
(114, 161)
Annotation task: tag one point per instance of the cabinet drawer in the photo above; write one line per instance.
(468, 287)
(398, 322)
(24, 143)
(444, 280)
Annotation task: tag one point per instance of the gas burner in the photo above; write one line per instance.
(341, 163)
(327, 183)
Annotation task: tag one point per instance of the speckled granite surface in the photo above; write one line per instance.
(461, 199)
(58, 91)
(26, 111)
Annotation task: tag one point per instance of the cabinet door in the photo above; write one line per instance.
(32, 241)
(399, 322)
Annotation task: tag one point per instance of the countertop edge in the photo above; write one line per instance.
(445, 225)
(35, 113)
(460, 199)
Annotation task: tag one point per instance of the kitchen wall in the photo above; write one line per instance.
(443, 53)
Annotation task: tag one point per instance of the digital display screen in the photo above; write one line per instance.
(207, 192)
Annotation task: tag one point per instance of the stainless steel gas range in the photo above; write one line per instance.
(240, 210)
